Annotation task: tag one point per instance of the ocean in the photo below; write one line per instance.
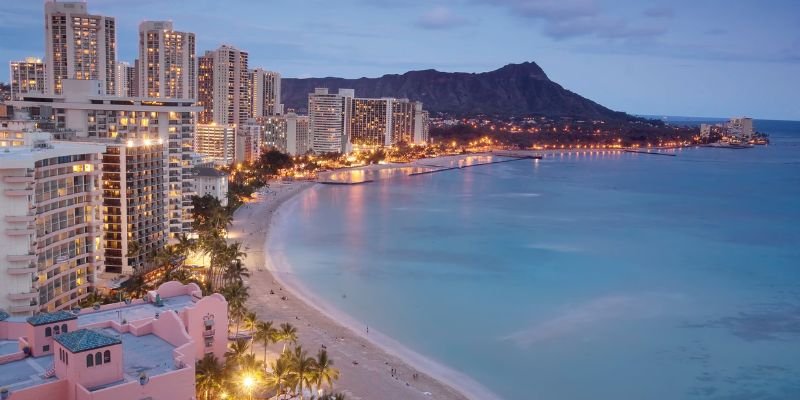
(579, 276)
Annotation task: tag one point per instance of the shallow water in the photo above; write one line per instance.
(582, 276)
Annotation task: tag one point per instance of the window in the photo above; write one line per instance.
(48, 332)
(63, 328)
(66, 358)
(89, 360)
(107, 356)
(56, 330)
(46, 348)
(98, 358)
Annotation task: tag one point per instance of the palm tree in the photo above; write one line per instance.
(209, 375)
(325, 371)
(287, 334)
(302, 367)
(235, 272)
(237, 351)
(249, 320)
(135, 286)
(265, 333)
(280, 373)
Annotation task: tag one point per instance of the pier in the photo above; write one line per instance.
(346, 183)
(442, 168)
(649, 152)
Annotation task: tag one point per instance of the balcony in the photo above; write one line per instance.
(32, 295)
(21, 258)
(18, 192)
(22, 271)
(20, 232)
(20, 218)
(18, 179)
(22, 309)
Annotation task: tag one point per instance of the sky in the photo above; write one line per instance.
(714, 58)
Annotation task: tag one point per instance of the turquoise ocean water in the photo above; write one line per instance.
(583, 276)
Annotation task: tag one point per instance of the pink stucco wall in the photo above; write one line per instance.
(194, 318)
(176, 385)
(51, 390)
(77, 372)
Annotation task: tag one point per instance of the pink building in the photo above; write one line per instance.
(142, 349)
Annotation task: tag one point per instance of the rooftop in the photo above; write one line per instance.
(136, 312)
(25, 373)
(8, 347)
(205, 171)
(49, 318)
(86, 339)
(147, 353)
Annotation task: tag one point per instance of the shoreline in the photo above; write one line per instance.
(364, 360)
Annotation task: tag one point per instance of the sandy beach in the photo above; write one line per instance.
(365, 359)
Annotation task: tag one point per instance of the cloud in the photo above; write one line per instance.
(565, 19)
(440, 18)
(659, 12)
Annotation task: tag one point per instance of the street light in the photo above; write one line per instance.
(248, 382)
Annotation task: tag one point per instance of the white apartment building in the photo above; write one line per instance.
(217, 142)
(265, 93)
(298, 141)
(27, 76)
(127, 81)
(275, 132)
(249, 140)
(213, 182)
(79, 45)
(85, 112)
(51, 224)
(223, 88)
(386, 122)
(167, 62)
(329, 120)
(741, 127)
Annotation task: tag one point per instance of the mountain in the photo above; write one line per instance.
(513, 90)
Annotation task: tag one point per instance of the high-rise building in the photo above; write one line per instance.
(51, 224)
(84, 111)
(275, 133)
(386, 122)
(205, 88)
(167, 62)
(127, 82)
(371, 123)
(217, 142)
(249, 140)
(135, 223)
(224, 91)
(27, 76)
(297, 138)
(421, 125)
(265, 93)
(79, 45)
(329, 120)
(741, 127)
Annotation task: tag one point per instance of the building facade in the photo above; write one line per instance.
(297, 137)
(97, 355)
(85, 112)
(135, 223)
(127, 81)
(167, 62)
(249, 141)
(371, 123)
(79, 45)
(27, 76)
(52, 224)
(265, 93)
(275, 129)
(211, 182)
(217, 142)
(223, 86)
(329, 120)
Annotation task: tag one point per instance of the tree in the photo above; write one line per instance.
(265, 334)
(302, 367)
(324, 371)
(236, 295)
(272, 162)
(287, 334)
(135, 286)
(238, 349)
(279, 374)
(249, 320)
(209, 376)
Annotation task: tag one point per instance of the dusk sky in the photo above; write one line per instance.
(681, 57)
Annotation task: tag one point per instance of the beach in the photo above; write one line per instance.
(372, 366)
